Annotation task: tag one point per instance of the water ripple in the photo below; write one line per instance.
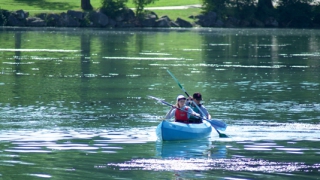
(40, 50)
(238, 164)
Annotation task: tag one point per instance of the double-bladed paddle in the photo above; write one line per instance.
(181, 87)
(214, 123)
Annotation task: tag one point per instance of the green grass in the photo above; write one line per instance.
(160, 3)
(59, 5)
(174, 14)
(38, 6)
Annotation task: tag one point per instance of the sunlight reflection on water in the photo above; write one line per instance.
(92, 101)
(239, 164)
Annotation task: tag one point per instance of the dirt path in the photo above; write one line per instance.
(174, 7)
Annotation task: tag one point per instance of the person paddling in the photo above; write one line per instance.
(197, 98)
(180, 111)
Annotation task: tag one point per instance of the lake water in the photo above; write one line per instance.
(73, 103)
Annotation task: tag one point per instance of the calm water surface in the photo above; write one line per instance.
(73, 103)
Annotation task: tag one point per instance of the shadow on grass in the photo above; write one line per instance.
(43, 4)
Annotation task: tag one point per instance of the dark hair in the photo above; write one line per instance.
(197, 96)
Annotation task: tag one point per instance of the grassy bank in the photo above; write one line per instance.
(56, 6)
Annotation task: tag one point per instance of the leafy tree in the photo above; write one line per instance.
(316, 14)
(218, 6)
(237, 8)
(295, 13)
(113, 8)
(265, 9)
(3, 17)
(86, 5)
(140, 4)
(244, 9)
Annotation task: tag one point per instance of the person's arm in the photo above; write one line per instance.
(205, 111)
(191, 112)
(171, 113)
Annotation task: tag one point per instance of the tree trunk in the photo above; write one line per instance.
(86, 5)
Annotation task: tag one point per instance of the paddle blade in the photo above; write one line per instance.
(218, 124)
(223, 135)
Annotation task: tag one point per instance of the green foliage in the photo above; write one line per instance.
(316, 14)
(244, 9)
(218, 6)
(140, 4)
(237, 8)
(113, 8)
(295, 13)
(3, 17)
(265, 10)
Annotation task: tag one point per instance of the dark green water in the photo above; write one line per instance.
(73, 103)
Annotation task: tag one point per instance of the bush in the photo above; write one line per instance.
(113, 8)
(140, 4)
(295, 13)
(265, 10)
(316, 14)
(217, 6)
(243, 9)
(3, 17)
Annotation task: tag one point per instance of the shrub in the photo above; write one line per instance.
(140, 4)
(295, 13)
(113, 8)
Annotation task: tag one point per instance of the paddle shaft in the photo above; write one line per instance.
(181, 87)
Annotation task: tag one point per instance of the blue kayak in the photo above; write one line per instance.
(174, 131)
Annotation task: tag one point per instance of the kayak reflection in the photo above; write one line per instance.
(201, 148)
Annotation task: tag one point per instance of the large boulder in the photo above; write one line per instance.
(35, 22)
(42, 16)
(112, 23)
(219, 23)
(17, 18)
(67, 21)
(20, 14)
(173, 24)
(257, 23)
(271, 22)
(232, 22)
(98, 19)
(78, 15)
(149, 20)
(13, 21)
(207, 20)
(52, 19)
(163, 21)
(244, 23)
(4, 14)
(128, 14)
(183, 23)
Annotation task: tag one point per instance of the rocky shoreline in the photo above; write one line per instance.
(127, 19)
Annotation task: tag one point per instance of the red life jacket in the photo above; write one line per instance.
(181, 115)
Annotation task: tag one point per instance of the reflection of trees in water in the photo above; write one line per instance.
(17, 54)
(113, 44)
(18, 88)
(85, 41)
(85, 45)
(259, 56)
